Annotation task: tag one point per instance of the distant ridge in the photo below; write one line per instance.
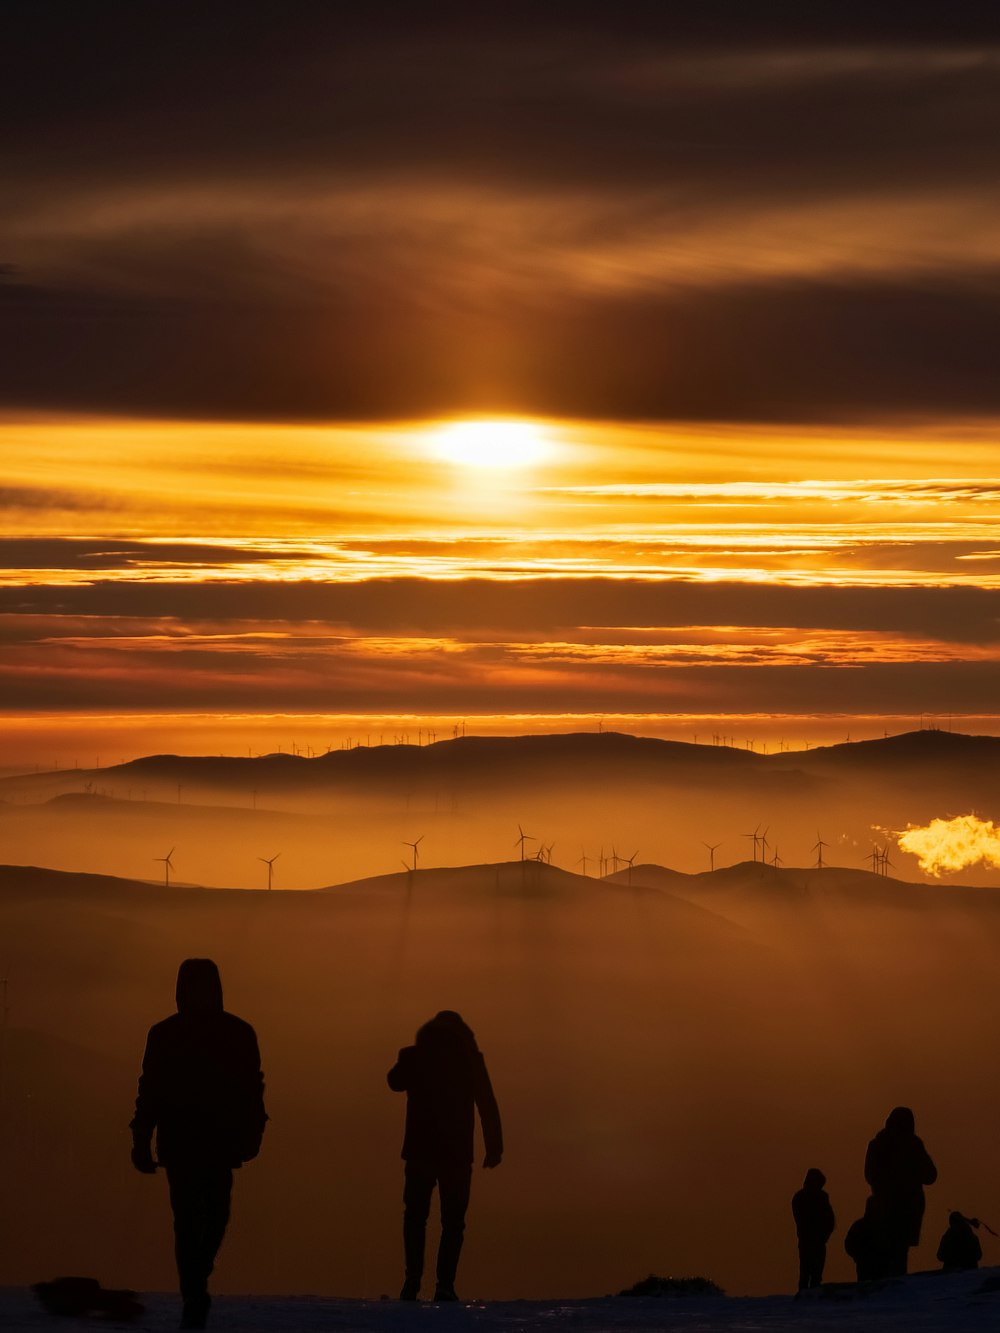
(492, 754)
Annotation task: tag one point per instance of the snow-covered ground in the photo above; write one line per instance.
(927, 1303)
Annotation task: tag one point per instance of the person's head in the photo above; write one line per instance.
(199, 986)
(957, 1219)
(900, 1121)
(449, 1028)
(815, 1179)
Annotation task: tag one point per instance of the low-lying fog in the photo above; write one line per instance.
(322, 838)
(667, 1066)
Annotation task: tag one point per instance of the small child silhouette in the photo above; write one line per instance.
(814, 1223)
(960, 1249)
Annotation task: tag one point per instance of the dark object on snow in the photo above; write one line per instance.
(960, 1249)
(814, 1223)
(897, 1167)
(445, 1080)
(202, 1091)
(84, 1297)
(673, 1286)
(865, 1244)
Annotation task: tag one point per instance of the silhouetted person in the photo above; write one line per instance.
(814, 1223)
(960, 1249)
(202, 1090)
(865, 1245)
(897, 1167)
(445, 1080)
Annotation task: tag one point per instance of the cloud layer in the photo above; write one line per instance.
(623, 213)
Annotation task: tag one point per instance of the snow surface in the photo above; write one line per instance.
(924, 1303)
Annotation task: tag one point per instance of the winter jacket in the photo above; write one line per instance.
(445, 1078)
(201, 1086)
(898, 1166)
(813, 1213)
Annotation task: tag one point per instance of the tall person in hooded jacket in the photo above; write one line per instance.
(897, 1167)
(202, 1091)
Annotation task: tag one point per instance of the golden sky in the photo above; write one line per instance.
(492, 365)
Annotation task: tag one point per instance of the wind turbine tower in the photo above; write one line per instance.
(522, 838)
(756, 839)
(713, 847)
(413, 847)
(168, 865)
(269, 862)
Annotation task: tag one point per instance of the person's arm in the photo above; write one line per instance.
(254, 1116)
(400, 1076)
(829, 1220)
(928, 1171)
(147, 1106)
(871, 1163)
(489, 1115)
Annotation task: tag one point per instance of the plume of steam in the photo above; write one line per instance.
(952, 844)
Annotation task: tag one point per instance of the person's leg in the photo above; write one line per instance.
(819, 1263)
(200, 1199)
(812, 1259)
(218, 1196)
(188, 1205)
(454, 1184)
(803, 1266)
(418, 1186)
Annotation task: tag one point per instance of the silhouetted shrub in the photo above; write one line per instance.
(673, 1286)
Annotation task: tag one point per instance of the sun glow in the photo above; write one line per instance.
(491, 444)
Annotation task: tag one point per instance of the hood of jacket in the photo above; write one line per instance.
(199, 987)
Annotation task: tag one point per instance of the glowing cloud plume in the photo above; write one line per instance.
(953, 844)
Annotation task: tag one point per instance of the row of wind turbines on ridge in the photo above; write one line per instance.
(878, 856)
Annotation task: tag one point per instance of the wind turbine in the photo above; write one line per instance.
(168, 865)
(886, 863)
(522, 838)
(875, 856)
(584, 859)
(764, 844)
(630, 862)
(818, 846)
(756, 838)
(413, 847)
(713, 847)
(269, 862)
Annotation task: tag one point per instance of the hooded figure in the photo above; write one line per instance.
(960, 1249)
(897, 1167)
(445, 1080)
(814, 1223)
(202, 1091)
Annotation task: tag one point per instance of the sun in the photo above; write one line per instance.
(491, 444)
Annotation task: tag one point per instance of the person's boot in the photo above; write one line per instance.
(414, 1237)
(449, 1250)
(195, 1311)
